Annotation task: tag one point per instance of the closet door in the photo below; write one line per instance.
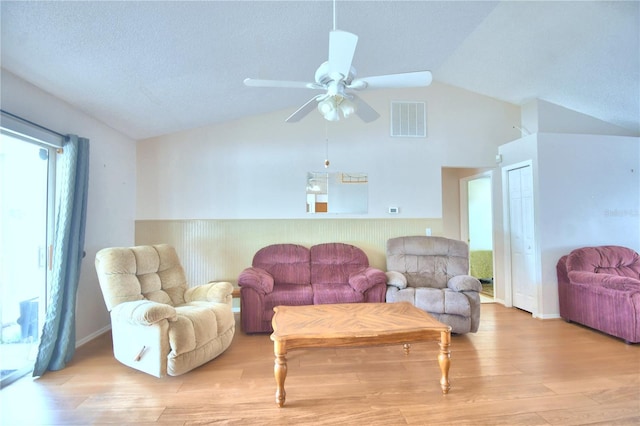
(522, 238)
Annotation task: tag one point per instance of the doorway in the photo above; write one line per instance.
(26, 182)
(477, 228)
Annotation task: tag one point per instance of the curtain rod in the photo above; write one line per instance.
(24, 120)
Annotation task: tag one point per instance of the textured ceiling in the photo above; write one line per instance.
(149, 68)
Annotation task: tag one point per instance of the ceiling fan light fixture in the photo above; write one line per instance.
(329, 109)
(347, 108)
(335, 107)
(326, 106)
(332, 115)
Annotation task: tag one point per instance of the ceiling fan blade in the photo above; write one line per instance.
(364, 110)
(342, 47)
(303, 110)
(254, 82)
(393, 81)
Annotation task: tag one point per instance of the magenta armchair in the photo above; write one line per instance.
(600, 287)
(290, 274)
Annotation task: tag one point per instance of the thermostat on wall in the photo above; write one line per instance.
(394, 210)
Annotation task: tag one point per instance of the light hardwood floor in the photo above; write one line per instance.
(515, 370)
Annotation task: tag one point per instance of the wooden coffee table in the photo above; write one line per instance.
(354, 324)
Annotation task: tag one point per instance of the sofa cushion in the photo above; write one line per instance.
(224, 316)
(117, 267)
(335, 293)
(196, 325)
(287, 263)
(612, 260)
(333, 263)
(180, 364)
(442, 301)
(287, 294)
(161, 276)
(150, 272)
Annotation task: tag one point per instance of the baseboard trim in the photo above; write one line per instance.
(548, 316)
(92, 336)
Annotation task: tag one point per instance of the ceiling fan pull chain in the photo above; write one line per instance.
(326, 147)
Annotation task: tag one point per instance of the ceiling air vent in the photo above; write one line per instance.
(409, 119)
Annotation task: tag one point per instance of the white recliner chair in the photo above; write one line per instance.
(159, 325)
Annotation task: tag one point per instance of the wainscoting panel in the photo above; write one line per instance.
(221, 249)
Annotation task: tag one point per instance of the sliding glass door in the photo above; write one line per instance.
(26, 182)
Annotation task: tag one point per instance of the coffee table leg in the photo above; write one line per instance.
(280, 371)
(444, 359)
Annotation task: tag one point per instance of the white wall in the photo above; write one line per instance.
(539, 116)
(587, 192)
(111, 203)
(256, 168)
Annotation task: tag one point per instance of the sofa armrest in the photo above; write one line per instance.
(464, 283)
(144, 312)
(257, 279)
(367, 278)
(396, 279)
(605, 280)
(212, 292)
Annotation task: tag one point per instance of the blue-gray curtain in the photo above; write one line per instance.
(58, 338)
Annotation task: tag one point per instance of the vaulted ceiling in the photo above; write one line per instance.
(149, 68)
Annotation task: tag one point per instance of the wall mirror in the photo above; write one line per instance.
(337, 192)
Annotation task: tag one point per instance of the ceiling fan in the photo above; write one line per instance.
(337, 78)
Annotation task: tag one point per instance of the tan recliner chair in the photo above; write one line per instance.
(159, 325)
(432, 273)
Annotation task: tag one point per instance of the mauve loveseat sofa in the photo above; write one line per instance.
(600, 287)
(291, 274)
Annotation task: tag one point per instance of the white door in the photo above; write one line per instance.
(522, 241)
